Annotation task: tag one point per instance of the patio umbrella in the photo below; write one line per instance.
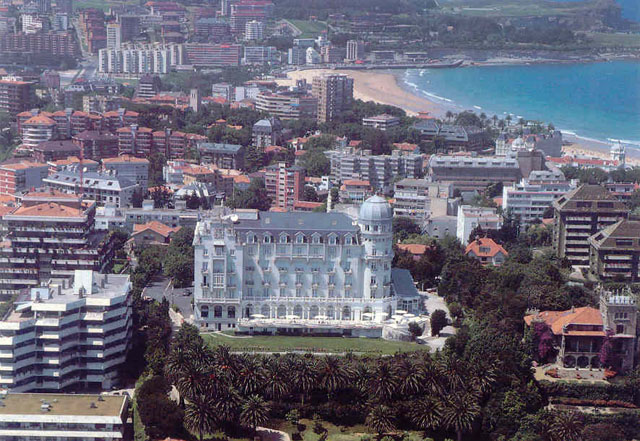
(291, 317)
(400, 311)
(367, 314)
(409, 315)
(320, 317)
(396, 317)
(257, 316)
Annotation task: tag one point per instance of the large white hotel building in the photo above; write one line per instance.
(298, 271)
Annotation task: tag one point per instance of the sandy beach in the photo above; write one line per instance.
(378, 86)
(384, 87)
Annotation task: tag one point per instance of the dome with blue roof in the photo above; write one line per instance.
(375, 209)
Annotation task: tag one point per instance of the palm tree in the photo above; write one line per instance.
(449, 115)
(384, 381)
(305, 376)
(250, 377)
(380, 419)
(459, 412)
(176, 367)
(227, 404)
(452, 370)
(192, 378)
(276, 380)
(334, 374)
(200, 414)
(426, 413)
(567, 426)
(411, 376)
(255, 411)
(482, 379)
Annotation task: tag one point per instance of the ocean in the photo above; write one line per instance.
(630, 8)
(597, 101)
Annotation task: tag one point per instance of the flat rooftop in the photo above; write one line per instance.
(62, 404)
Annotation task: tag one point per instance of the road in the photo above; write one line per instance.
(160, 287)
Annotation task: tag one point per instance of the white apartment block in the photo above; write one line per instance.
(528, 199)
(323, 272)
(470, 217)
(62, 417)
(68, 333)
(139, 59)
(379, 170)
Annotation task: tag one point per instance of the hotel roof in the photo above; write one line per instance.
(48, 209)
(485, 247)
(298, 221)
(158, 227)
(124, 159)
(622, 235)
(557, 320)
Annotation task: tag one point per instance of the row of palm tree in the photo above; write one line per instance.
(220, 389)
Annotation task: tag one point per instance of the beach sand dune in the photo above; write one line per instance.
(377, 86)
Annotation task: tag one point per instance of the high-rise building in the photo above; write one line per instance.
(254, 30)
(210, 55)
(130, 27)
(267, 270)
(615, 252)
(194, 100)
(19, 176)
(334, 93)
(285, 185)
(580, 214)
(86, 321)
(50, 235)
(114, 35)
(355, 50)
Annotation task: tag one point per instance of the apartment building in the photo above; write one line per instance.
(471, 217)
(37, 129)
(102, 187)
(49, 235)
(287, 105)
(355, 50)
(266, 132)
(65, 417)
(285, 185)
(54, 150)
(580, 214)
(213, 29)
(227, 156)
(382, 122)
(70, 332)
(614, 252)
(353, 191)
(16, 96)
(136, 141)
(266, 270)
(420, 199)
(334, 93)
(212, 55)
(96, 144)
(22, 175)
(528, 199)
(455, 137)
(379, 170)
(130, 168)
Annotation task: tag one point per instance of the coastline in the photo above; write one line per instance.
(388, 87)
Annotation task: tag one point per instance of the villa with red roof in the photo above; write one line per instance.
(487, 251)
(579, 333)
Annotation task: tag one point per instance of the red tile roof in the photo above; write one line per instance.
(485, 242)
(158, 227)
(416, 249)
(557, 320)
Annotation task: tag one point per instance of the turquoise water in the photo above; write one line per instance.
(593, 100)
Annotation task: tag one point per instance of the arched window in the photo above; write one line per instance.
(297, 310)
(299, 238)
(265, 310)
(217, 311)
(313, 311)
(284, 238)
(331, 313)
(231, 312)
(282, 311)
(204, 311)
(346, 313)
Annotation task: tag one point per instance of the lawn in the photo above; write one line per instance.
(100, 4)
(313, 344)
(516, 9)
(337, 433)
(309, 29)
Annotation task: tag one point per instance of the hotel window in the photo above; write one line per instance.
(347, 266)
(317, 239)
(251, 238)
(284, 239)
(265, 292)
(298, 278)
(205, 252)
(332, 280)
(266, 250)
(314, 293)
(299, 238)
(298, 292)
(619, 329)
(268, 239)
(373, 280)
(332, 292)
(282, 292)
(332, 252)
(349, 240)
(332, 240)
(348, 252)
(250, 292)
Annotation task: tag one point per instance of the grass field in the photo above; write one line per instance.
(309, 29)
(601, 39)
(516, 9)
(313, 344)
(101, 4)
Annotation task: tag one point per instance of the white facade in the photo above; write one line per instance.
(254, 30)
(138, 59)
(528, 199)
(69, 333)
(114, 36)
(470, 217)
(291, 267)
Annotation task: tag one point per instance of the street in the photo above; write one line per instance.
(160, 288)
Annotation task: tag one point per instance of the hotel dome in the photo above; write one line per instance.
(375, 209)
